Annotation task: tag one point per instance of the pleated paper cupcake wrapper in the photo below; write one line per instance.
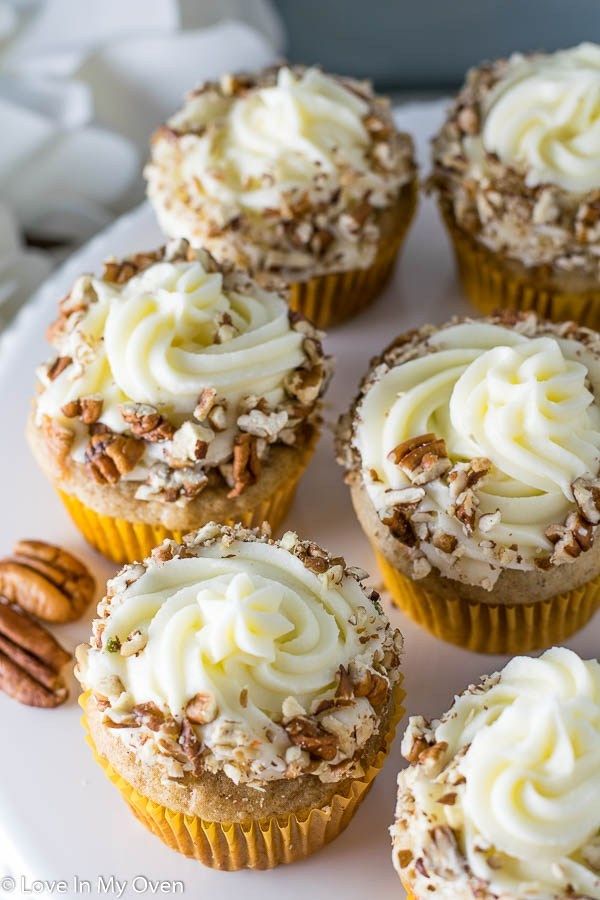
(491, 285)
(328, 300)
(260, 843)
(124, 541)
(409, 893)
(488, 627)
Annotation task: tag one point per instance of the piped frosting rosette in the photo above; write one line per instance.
(509, 799)
(253, 643)
(542, 117)
(180, 357)
(480, 437)
(283, 171)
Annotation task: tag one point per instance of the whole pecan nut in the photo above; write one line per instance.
(46, 581)
(30, 661)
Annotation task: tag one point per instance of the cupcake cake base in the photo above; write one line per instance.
(493, 283)
(333, 298)
(492, 627)
(260, 843)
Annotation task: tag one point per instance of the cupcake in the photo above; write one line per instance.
(502, 795)
(181, 392)
(295, 175)
(241, 693)
(473, 458)
(516, 169)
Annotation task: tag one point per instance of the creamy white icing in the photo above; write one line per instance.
(527, 404)
(543, 117)
(528, 747)
(247, 624)
(153, 340)
(274, 139)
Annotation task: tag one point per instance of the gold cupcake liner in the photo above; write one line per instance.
(409, 893)
(259, 843)
(488, 627)
(492, 283)
(124, 541)
(331, 299)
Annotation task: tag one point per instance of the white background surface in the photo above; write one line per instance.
(59, 817)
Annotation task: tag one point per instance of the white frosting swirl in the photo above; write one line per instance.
(543, 117)
(247, 624)
(531, 800)
(489, 392)
(274, 139)
(152, 341)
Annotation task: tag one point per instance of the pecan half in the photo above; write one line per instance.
(422, 458)
(30, 661)
(46, 581)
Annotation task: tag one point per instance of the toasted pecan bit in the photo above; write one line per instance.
(345, 688)
(400, 526)
(201, 709)
(246, 464)
(88, 409)
(46, 581)
(404, 858)
(58, 439)
(447, 543)
(571, 539)
(59, 365)
(30, 661)
(109, 456)
(372, 686)
(191, 745)
(448, 799)
(422, 458)
(308, 735)
(305, 385)
(205, 403)
(587, 497)
(146, 422)
(465, 509)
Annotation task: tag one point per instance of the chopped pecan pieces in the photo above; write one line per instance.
(59, 440)
(172, 485)
(46, 581)
(422, 458)
(400, 526)
(109, 456)
(59, 365)
(201, 709)
(191, 746)
(87, 409)
(205, 403)
(146, 422)
(447, 543)
(246, 464)
(372, 686)
(308, 735)
(587, 497)
(571, 539)
(30, 661)
(304, 385)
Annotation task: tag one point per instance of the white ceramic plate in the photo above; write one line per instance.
(59, 817)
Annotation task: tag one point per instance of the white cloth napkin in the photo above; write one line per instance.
(82, 86)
